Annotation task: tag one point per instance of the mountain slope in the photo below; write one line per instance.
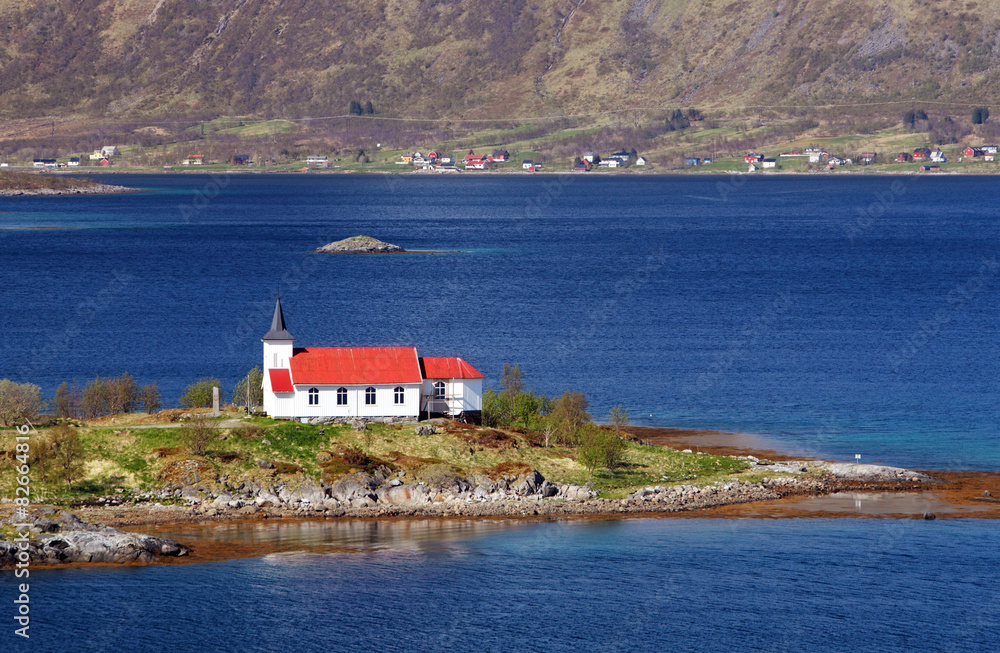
(484, 58)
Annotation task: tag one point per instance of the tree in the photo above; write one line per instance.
(197, 435)
(369, 108)
(569, 413)
(526, 407)
(355, 108)
(123, 394)
(619, 420)
(19, 402)
(65, 401)
(980, 115)
(511, 381)
(255, 396)
(149, 397)
(199, 393)
(66, 454)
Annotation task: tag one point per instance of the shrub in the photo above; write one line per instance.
(19, 402)
(199, 393)
(600, 448)
(66, 401)
(197, 435)
(248, 432)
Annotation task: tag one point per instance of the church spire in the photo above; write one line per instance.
(278, 331)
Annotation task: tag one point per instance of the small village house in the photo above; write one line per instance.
(640, 161)
(868, 158)
(528, 164)
(768, 163)
(74, 161)
(692, 161)
(589, 156)
(193, 160)
(499, 156)
(753, 157)
(239, 159)
(109, 151)
(903, 157)
(921, 154)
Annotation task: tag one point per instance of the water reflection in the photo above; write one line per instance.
(239, 539)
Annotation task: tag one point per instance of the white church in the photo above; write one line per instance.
(359, 382)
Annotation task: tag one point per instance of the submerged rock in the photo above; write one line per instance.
(360, 245)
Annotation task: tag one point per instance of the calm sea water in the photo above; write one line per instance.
(636, 585)
(835, 315)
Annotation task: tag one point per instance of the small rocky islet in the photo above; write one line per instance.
(359, 245)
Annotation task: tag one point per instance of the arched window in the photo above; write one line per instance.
(341, 396)
(314, 396)
(370, 396)
(439, 389)
(398, 394)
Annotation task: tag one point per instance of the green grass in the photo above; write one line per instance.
(133, 458)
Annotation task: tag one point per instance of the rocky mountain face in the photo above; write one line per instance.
(139, 59)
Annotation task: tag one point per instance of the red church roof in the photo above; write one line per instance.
(281, 381)
(355, 365)
(448, 368)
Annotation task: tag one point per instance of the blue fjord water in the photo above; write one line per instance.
(616, 585)
(832, 315)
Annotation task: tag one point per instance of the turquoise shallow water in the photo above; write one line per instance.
(836, 315)
(632, 585)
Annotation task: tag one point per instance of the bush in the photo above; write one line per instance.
(600, 448)
(248, 432)
(197, 435)
(199, 393)
(19, 402)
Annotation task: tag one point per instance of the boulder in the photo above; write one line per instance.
(425, 429)
(404, 495)
(353, 486)
(576, 493)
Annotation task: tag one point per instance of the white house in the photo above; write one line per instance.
(373, 382)
(641, 161)
(109, 150)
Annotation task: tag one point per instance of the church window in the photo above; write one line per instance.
(439, 389)
(341, 396)
(314, 396)
(370, 396)
(399, 394)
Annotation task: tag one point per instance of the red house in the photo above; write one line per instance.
(753, 157)
(432, 156)
(903, 157)
(972, 151)
(921, 153)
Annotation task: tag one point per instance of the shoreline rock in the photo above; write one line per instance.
(359, 245)
(59, 537)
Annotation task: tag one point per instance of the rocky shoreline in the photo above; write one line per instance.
(382, 494)
(61, 537)
(98, 189)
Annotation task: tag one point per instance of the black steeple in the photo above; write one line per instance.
(278, 331)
